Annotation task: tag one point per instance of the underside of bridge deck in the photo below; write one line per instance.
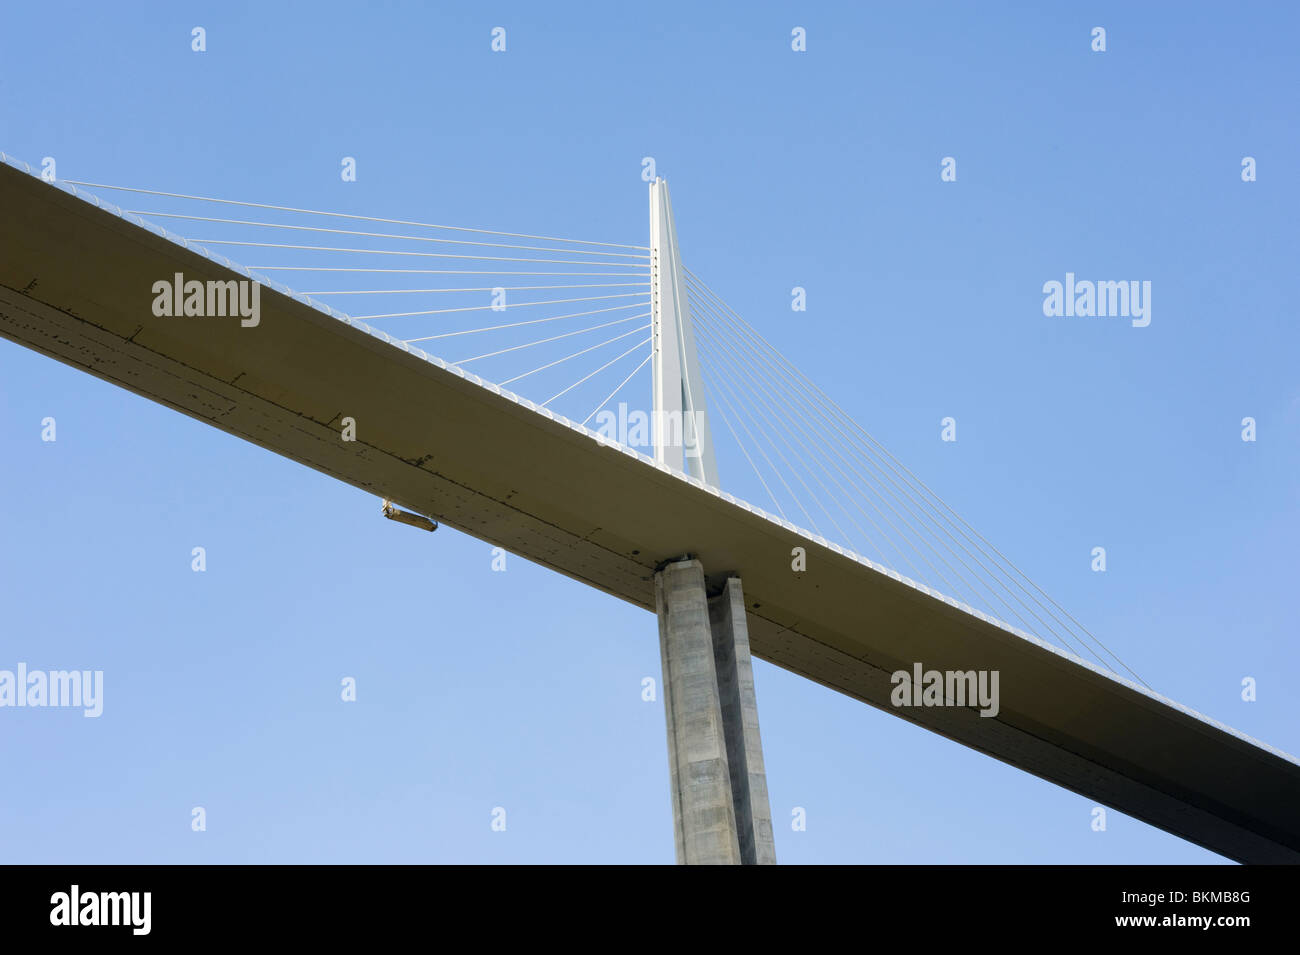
(76, 285)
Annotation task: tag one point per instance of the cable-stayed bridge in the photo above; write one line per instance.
(499, 381)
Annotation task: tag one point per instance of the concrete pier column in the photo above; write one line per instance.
(735, 670)
(719, 790)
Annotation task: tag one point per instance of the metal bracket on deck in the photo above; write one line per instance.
(394, 513)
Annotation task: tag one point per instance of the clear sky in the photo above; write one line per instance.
(821, 169)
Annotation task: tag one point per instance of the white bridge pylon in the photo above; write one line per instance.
(682, 438)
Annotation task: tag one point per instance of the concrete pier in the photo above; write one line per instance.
(719, 789)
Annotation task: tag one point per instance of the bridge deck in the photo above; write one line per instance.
(76, 285)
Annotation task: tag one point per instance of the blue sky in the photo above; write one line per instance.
(818, 169)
